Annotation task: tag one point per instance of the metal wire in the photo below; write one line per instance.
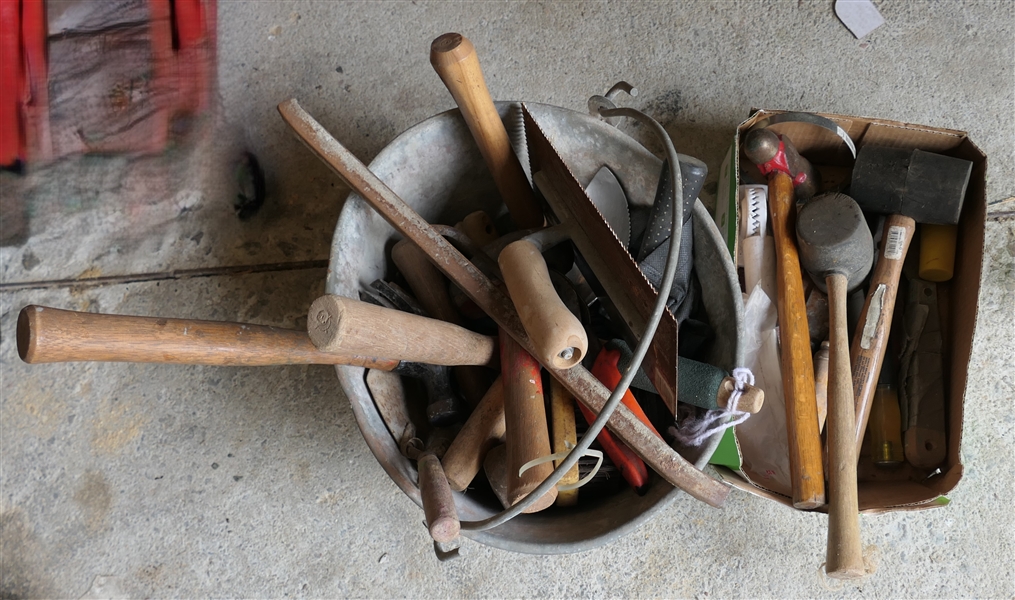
(669, 273)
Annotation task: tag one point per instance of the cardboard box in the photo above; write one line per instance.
(904, 488)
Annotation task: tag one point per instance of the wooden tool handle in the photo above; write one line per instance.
(867, 353)
(428, 284)
(844, 558)
(438, 503)
(527, 436)
(430, 288)
(821, 382)
(344, 324)
(565, 437)
(483, 430)
(47, 335)
(795, 349)
(479, 227)
(557, 335)
(455, 60)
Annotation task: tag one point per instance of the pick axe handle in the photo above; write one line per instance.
(454, 58)
(47, 335)
(870, 340)
(806, 471)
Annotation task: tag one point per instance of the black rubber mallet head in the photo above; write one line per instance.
(924, 186)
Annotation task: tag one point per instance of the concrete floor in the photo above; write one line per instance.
(176, 481)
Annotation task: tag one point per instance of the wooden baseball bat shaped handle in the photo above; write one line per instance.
(483, 430)
(527, 433)
(557, 335)
(871, 337)
(47, 335)
(454, 58)
(338, 323)
(844, 558)
(806, 471)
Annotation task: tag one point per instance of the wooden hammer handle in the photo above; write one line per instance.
(806, 471)
(454, 58)
(844, 558)
(344, 324)
(47, 335)
(870, 340)
(552, 328)
(483, 430)
(438, 502)
(527, 435)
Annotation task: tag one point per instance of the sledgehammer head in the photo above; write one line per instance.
(833, 237)
(927, 187)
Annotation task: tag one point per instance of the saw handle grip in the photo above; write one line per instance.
(343, 324)
(47, 335)
(844, 558)
(870, 340)
(455, 60)
(806, 472)
(557, 335)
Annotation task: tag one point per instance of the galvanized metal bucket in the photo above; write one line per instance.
(437, 169)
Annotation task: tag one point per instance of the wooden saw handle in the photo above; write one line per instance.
(871, 337)
(483, 430)
(454, 58)
(344, 324)
(844, 557)
(557, 335)
(47, 335)
(806, 471)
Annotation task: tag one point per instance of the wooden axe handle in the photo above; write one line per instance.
(806, 471)
(870, 340)
(47, 335)
(844, 558)
(552, 328)
(454, 58)
(343, 324)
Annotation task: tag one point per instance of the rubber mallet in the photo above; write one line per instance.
(909, 186)
(836, 249)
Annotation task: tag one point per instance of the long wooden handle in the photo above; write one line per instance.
(557, 335)
(438, 502)
(483, 430)
(870, 340)
(454, 58)
(670, 465)
(338, 323)
(527, 436)
(797, 366)
(47, 335)
(844, 558)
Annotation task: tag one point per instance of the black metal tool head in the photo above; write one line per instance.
(925, 186)
(833, 237)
